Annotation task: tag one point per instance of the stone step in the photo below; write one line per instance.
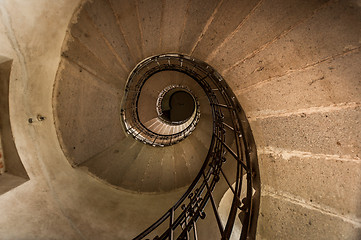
(102, 15)
(135, 174)
(337, 37)
(89, 36)
(189, 153)
(227, 18)
(168, 172)
(81, 125)
(80, 55)
(174, 14)
(151, 123)
(255, 32)
(152, 176)
(150, 26)
(204, 130)
(182, 167)
(113, 164)
(198, 14)
(127, 18)
(147, 107)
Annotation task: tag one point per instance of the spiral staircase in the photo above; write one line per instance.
(88, 154)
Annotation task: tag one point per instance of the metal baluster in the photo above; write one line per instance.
(195, 231)
(171, 224)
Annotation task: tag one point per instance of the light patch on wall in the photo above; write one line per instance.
(2, 162)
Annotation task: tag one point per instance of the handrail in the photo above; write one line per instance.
(129, 112)
(231, 143)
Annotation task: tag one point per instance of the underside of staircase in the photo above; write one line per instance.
(293, 65)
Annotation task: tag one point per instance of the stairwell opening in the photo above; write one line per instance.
(12, 171)
(177, 106)
(160, 106)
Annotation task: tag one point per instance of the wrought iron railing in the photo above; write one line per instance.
(130, 105)
(231, 164)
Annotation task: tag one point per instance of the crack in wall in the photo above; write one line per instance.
(254, 116)
(288, 154)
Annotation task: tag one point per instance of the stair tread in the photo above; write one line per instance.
(152, 175)
(195, 22)
(112, 164)
(167, 178)
(174, 14)
(147, 107)
(89, 36)
(79, 54)
(82, 136)
(126, 13)
(150, 26)
(135, 173)
(104, 19)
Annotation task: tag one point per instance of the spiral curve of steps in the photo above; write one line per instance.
(246, 42)
(96, 58)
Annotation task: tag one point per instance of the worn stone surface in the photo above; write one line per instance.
(84, 58)
(282, 219)
(173, 23)
(127, 17)
(133, 177)
(333, 30)
(198, 13)
(154, 172)
(81, 127)
(103, 17)
(119, 158)
(320, 86)
(88, 35)
(261, 27)
(335, 133)
(330, 182)
(150, 14)
(182, 165)
(227, 18)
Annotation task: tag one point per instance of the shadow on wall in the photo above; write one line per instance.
(12, 171)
